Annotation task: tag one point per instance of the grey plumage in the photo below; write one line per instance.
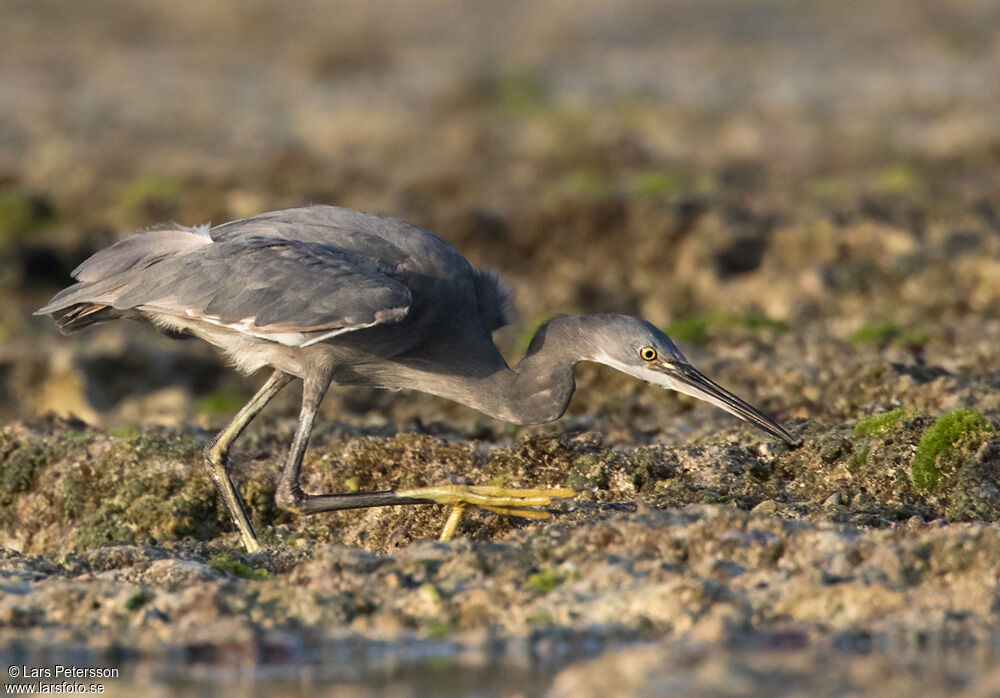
(330, 295)
(323, 288)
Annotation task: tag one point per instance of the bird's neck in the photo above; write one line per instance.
(538, 389)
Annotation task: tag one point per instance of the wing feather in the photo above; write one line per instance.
(272, 288)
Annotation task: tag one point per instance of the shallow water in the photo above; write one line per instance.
(528, 668)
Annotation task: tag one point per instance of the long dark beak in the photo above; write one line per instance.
(690, 381)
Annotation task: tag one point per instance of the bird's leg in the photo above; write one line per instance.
(510, 502)
(289, 494)
(217, 456)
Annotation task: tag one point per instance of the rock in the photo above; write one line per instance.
(174, 574)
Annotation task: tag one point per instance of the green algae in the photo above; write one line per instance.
(220, 403)
(22, 463)
(884, 334)
(581, 184)
(258, 495)
(22, 214)
(659, 183)
(498, 480)
(437, 628)
(149, 187)
(881, 334)
(545, 581)
(138, 600)
(697, 329)
(149, 486)
(153, 487)
(540, 619)
(876, 424)
(898, 179)
(237, 568)
(693, 330)
(587, 472)
(123, 432)
(945, 433)
(15, 214)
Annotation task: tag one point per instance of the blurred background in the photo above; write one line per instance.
(797, 190)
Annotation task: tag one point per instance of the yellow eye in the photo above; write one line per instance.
(647, 353)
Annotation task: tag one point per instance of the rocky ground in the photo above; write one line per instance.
(805, 198)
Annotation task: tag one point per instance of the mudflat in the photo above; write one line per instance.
(805, 197)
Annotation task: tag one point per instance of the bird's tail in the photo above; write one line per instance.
(105, 274)
(81, 315)
(83, 304)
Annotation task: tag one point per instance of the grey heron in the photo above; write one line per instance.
(334, 296)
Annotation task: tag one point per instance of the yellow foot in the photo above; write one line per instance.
(500, 500)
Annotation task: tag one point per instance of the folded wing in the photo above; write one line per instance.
(288, 291)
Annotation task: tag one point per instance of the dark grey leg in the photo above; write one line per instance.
(217, 456)
(290, 495)
(509, 502)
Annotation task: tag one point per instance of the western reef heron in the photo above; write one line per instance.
(333, 296)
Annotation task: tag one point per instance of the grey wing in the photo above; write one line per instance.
(387, 239)
(288, 291)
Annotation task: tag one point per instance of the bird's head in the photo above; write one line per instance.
(639, 349)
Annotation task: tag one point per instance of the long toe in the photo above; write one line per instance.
(524, 503)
